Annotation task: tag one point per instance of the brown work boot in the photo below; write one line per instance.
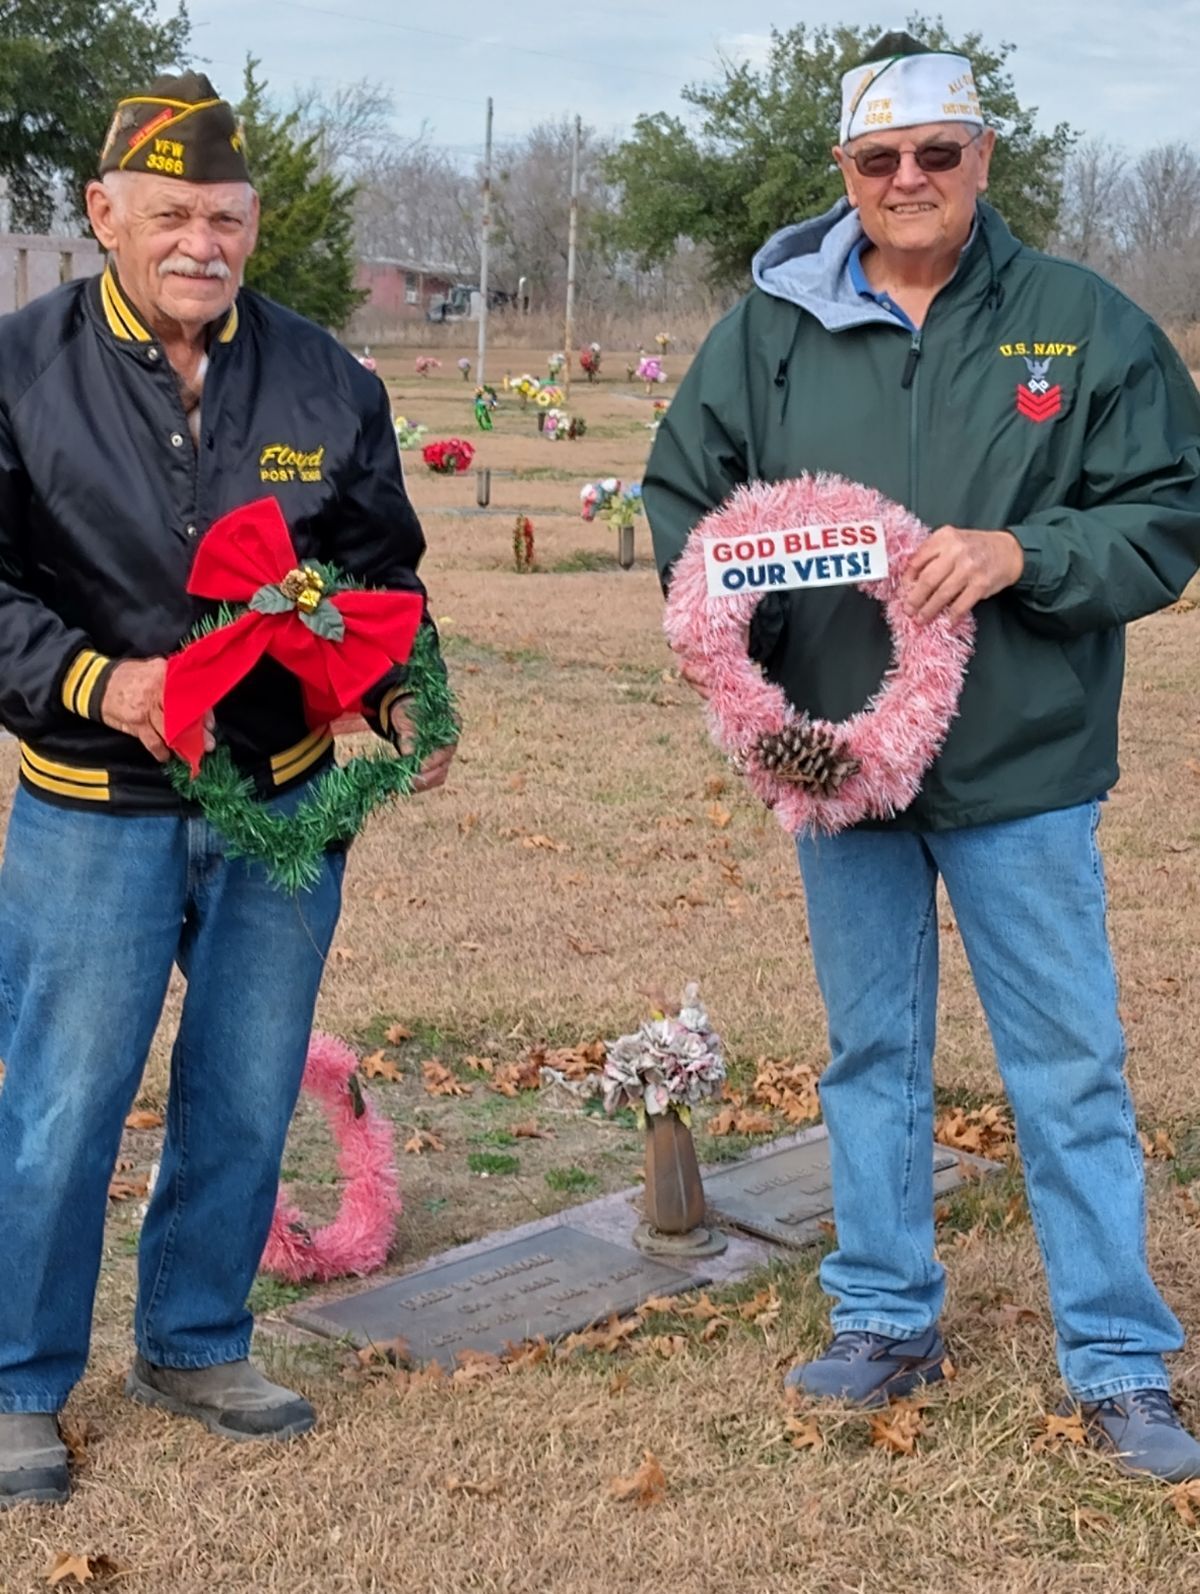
(33, 1460)
(233, 1399)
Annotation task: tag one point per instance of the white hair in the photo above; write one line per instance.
(116, 186)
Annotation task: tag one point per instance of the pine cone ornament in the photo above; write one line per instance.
(806, 756)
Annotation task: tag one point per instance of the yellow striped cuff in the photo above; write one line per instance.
(64, 780)
(79, 683)
(387, 702)
(295, 760)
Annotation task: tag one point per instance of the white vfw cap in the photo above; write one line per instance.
(908, 90)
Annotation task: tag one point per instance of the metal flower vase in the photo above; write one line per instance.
(673, 1204)
(625, 554)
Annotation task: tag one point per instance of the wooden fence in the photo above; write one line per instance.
(31, 265)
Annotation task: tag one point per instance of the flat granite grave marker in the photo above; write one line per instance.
(787, 1195)
(552, 1283)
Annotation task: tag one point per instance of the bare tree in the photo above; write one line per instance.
(1090, 221)
(350, 124)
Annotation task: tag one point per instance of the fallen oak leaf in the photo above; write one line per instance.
(897, 1429)
(482, 1491)
(82, 1568)
(714, 1327)
(1161, 1147)
(664, 1345)
(377, 1066)
(423, 1140)
(396, 1033)
(129, 1189)
(646, 1487)
(720, 817)
(661, 1303)
(531, 1131)
(702, 1309)
(1185, 1498)
(526, 1353)
(1059, 1431)
(805, 1433)
(76, 1436)
(388, 1353)
(144, 1119)
(475, 1366)
(439, 1081)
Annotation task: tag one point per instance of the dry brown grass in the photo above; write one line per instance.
(543, 330)
(577, 731)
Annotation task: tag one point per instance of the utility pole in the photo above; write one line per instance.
(484, 244)
(572, 234)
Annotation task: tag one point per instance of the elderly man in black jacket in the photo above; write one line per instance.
(135, 410)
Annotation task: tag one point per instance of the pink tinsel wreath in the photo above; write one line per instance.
(358, 1239)
(899, 733)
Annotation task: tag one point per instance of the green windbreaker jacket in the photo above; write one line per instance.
(1036, 398)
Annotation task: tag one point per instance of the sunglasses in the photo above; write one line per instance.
(938, 156)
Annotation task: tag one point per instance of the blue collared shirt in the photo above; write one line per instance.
(858, 278)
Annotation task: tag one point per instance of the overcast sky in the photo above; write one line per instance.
(1118, 70)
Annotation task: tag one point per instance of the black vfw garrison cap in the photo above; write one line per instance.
(180, 127)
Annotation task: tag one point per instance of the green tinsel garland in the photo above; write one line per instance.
(340, 802)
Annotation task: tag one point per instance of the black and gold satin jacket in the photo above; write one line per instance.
(104, 499)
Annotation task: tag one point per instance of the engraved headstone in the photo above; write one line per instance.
(787, 1196)
(552, 1283)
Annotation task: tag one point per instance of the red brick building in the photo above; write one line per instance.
(399, 291)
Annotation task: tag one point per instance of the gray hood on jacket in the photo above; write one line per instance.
(808, 264)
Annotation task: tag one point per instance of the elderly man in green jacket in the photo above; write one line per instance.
(1044, 426)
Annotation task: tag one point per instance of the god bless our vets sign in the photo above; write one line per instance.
(805, 556)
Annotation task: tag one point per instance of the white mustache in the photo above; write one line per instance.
(186, 267)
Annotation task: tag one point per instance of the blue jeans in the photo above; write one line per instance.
(94, 910)
(1030, 903)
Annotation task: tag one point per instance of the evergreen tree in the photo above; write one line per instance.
(64, 64)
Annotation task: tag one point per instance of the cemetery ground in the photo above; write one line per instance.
(590, 852)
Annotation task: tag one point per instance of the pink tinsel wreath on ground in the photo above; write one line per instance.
(360, 1236)
(899, 733)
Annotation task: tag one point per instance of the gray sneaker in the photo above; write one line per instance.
(33, 1460)
(869, 1369)
(233, 1399)
(1142, 1431)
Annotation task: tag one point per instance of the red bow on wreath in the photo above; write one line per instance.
(337, 643)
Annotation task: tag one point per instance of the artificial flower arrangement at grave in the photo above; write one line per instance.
(425, 363)
(668, 1066)
(525, 387)
(555, 366)
(464, 365)
(408, 433)
(450, 456)
(607, 500)
(560, 427)
(339, 639)
(548, 395)
(650, 371)
(485, 402)
(663, 339)
(661, 406)
(589, 361)
(523, 544)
